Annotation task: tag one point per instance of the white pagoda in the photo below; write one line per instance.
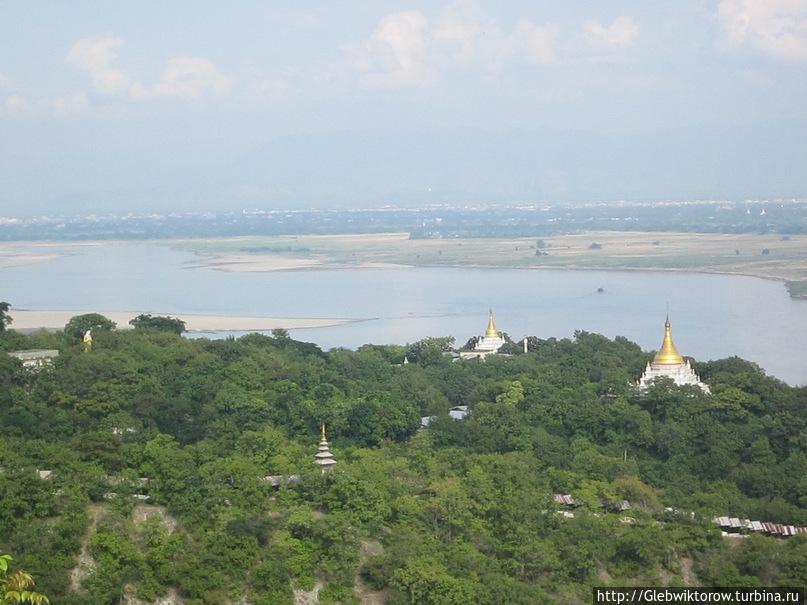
(324, 457)
(489, 344)
(669, 363)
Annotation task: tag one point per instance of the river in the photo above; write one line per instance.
(713, 316)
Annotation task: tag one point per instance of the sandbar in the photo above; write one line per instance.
(260, 263)
(20, 260)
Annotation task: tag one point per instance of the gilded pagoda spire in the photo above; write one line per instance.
(491, 331)
(668, 354)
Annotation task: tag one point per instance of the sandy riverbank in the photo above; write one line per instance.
(25, 319)
(771, 256)
(24, 253)
(8, 261)
(266, 263)
(238, 263)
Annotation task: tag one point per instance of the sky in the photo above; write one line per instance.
(210, 106)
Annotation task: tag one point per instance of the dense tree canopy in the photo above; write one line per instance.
(79, 324)
(146, 321)
(160, 446)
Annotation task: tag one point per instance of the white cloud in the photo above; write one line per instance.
(6, 83)
(539, 42)
(11, 104)
(96, 57)
(270, 88)
(622, 32)
(462, 31)
(775, 27)
(395, 54)
(183, 77)
(465, 35)
(15, 104)
(68, 105)
(405, 49)
(473, 37)
(191, 78)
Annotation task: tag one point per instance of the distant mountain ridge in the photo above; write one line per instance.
(416, 167)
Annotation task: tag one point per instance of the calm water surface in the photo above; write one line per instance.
(713, 316)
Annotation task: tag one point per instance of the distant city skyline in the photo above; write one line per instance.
(210, 107)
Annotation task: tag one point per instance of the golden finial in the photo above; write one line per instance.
(668, 354)
(322, 433)
(491, 332)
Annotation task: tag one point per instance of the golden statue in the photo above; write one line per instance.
(88, 341)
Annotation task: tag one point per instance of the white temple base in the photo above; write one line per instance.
(681, 374)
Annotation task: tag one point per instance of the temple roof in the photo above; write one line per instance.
(668, 354)
(491, 331)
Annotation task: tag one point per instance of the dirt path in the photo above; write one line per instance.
(85, 563)
(369, 549)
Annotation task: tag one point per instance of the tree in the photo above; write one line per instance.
(512, 395)
(430, 350)
(16, 587)
(79, 324)
(427, 581)
(379, 416)
(5, 318)
(146, 321)
(471, 344)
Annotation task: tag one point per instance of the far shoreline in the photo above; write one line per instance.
(31, 320)
(349, 252)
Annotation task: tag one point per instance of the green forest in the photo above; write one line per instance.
(159, 448)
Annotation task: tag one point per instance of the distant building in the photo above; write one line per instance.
(489, 344)
(36, 359)
(458, 412)
(669, 363)
(566, 500)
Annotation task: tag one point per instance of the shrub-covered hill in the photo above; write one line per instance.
(461, 512)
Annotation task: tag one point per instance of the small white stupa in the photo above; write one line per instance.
(670, 363)
(324, 457)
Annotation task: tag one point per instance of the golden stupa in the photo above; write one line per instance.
(491, 332)
(668, 355)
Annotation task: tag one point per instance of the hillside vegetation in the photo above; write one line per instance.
(461, 512)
